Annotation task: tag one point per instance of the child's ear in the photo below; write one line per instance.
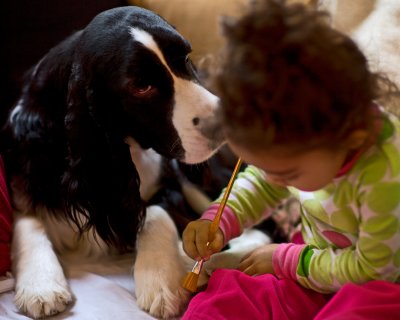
(356, 139)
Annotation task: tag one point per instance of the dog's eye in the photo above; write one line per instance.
(189, 63)
(190, 67)
(142, 91)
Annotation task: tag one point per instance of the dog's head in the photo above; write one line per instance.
(131, 69)
(125, 76)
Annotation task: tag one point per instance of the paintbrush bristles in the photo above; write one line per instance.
(191, 279)
(190, 282)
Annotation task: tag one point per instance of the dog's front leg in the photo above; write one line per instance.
(41, 288)
(159, 268)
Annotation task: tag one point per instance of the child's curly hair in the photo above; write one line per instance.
(288, 77)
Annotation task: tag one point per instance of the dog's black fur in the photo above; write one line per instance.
(65, 148)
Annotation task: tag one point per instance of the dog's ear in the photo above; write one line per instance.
(102, 183)
(34, 133)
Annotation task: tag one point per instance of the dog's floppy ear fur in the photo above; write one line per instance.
(102, 182)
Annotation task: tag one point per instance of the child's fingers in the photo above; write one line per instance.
(250, 270)
(189, 244)
(196, 242)
(202, 241)
(249, 266)
(245, 263)
(246, 256)
(217, 244)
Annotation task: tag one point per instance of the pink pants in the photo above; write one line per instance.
(5, 223)
(232, 295)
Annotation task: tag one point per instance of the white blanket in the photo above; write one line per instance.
(104, 290)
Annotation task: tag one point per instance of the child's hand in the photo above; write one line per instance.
(195, 239)
(259, 261)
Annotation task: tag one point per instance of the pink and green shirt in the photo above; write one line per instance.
(351, 227)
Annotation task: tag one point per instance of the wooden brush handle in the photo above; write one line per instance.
(215, 223)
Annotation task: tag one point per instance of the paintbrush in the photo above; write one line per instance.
(191, 279)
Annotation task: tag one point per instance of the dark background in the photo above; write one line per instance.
(28, 29)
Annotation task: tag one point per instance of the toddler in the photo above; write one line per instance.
(300, 105)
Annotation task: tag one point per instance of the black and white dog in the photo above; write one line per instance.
(84, 148)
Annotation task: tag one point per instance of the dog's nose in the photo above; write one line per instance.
(196, 121)
(211, 129)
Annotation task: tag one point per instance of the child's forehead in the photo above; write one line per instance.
(281, 159)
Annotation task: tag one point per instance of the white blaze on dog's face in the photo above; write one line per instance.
(193, 109)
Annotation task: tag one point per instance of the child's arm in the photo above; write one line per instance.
(251, 200)
(376, 255)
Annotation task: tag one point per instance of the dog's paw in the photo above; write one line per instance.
(159, 269)
(40, 299)
(160, 291)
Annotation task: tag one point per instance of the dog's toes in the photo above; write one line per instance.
(161, 293)
(42, 303)
(163, 303)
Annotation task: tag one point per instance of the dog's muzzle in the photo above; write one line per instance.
(212, 130)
